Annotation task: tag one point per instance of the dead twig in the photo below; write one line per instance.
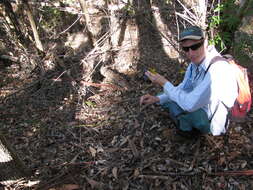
(79, 17)
(168, 174)
(195, 155)
(177, 162)
(155, 177)
(234, 173)
(10, 58)
(101, 85)
(133, 147)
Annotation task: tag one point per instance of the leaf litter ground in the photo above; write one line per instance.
(111, 142)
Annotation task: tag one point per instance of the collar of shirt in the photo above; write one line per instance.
(210, 54)
(198, 70)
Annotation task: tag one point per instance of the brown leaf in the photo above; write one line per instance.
(125, 186)
(133, 147)
(167, 133)
(115, 172)
(235, 173)
(94, 184)
(104, 171)
(136, 172)
(222, 160)
(233, 155)
(69, 187)
(111, 150)
(243, 164)
(93, 151)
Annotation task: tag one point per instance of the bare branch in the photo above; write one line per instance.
(196, 15)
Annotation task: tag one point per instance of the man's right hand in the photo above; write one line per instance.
(148, 99)
(156, 78)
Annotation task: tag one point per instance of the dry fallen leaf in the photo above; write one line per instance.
(69, 187)
(222, 160)
(51, 119)
(233, 155)
(136, 172)
(125, 186)
(104, 171)
(93, 183)
(115, 172)
(133, 147)
(243, 164)
(93, 151)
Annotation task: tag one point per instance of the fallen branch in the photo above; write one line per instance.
(87, 164)
(133, 147)
(196, 155)
(168, 174)
(177, 162)
(234, 173)
(101, 85)
(155, 177)
(10, 58)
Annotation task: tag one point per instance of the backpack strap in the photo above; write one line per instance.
(214, 60)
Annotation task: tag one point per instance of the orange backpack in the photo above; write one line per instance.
(243, 101)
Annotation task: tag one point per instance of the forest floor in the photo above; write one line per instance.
(119, 144)
(109, 141)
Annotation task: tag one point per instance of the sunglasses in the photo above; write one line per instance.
(193, 47)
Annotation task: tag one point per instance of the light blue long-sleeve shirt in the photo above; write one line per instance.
(207, 91)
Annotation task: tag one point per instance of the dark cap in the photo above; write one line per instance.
(191, 33)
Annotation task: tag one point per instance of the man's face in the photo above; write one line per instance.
(194, 50)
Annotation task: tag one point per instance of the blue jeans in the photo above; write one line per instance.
(186, 121)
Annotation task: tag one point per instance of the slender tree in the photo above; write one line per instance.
(13, 21)
(33, 25)
(87, 21)
(244, 6)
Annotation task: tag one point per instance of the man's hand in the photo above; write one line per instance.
(148, 99)
(156, 78)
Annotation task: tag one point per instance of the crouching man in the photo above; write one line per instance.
(199, 103)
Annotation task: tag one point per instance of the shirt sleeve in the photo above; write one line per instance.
(190, 101)
(216, 83)
(164, 97)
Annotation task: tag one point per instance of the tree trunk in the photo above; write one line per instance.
(33, 25)
(14, 21)
(244, 5)
(87, 21)
(202, 11)
(11, 167)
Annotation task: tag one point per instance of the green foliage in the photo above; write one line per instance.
(129, 9)
(244, 49)
(90, 103)
(224, 21)
(228, 10)
(217, 40)
(221, 39)
(216, 19)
